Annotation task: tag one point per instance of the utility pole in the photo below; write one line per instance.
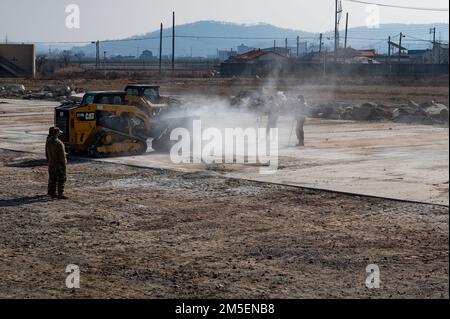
(274, 45)
(433, 31)
(335, 30)
(320, 43)
(286, 46)
(346, 31)
(389, 61)
(97, 53)
(439, 49)
(400, 47)
(160, 49)
(298, 46)
(439, 53)
(173, 42)
(389, 50)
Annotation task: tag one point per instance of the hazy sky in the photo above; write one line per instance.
(44, 20)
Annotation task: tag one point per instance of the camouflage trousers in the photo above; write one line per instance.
(56, 179)
(300, 132)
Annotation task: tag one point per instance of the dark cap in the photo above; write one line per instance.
(55, 130)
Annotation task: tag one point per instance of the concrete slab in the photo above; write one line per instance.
(408, 162)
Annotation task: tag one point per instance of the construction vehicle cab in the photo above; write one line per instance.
(147, 91)
(147, 98)
(164, 113)
(107, 97)
(103, 124)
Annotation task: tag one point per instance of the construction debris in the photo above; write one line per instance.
(59, 93)
(51, 92)
(247, 99)
(438, 112)
(428, 113)
(12, 90)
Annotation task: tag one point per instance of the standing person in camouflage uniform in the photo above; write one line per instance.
(50, 130)
(56, 159)
(300, 117)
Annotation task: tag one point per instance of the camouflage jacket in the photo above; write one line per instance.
(301, 111)
(55, 151)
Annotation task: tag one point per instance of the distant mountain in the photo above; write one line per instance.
(205, 38)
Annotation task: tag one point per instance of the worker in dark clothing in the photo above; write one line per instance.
(56, 158)
(300, 117)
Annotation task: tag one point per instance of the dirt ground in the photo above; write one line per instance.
(155, 233)
(150, 233)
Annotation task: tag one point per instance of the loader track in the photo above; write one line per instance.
(97, 144)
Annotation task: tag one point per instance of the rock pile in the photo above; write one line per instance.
(425, 113)
(410, 112)
(47, 92)
(12, 90)
(52, 92)
(247, 99)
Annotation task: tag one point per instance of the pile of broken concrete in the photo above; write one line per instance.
(47, 92)
(12, 90)
(250, 100)
(429, 113)
(413, 113)
(52, 92)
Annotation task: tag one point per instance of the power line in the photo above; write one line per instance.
(421, 40)
(239, 38)
(169, 36)
(398, 6)
(187, 36)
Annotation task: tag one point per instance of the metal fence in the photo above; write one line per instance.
(297, 69)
